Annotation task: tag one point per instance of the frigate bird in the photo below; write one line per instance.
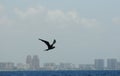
(50, 46)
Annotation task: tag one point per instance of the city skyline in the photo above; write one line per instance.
(84, 30)
(34, 63)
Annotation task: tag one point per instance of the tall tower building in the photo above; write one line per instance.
(99, 64)
(29, 61)
(111, 64)
(35, 62)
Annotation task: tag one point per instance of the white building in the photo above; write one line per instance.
(50, 66)
(7, 66)
(86, 67)
(66, 66)
(21, 66)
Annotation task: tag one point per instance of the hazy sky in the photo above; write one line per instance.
(84, 30)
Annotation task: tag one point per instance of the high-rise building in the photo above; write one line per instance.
(29, 61)
(111, 64)
(118, 65)
(99, 64)
(35, 63)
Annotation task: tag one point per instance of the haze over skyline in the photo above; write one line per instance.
(84, 30)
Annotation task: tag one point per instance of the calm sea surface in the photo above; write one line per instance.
(61, 73)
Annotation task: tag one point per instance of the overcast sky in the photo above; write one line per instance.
(84, 29)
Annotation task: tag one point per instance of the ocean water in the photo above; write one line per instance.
(61, 73)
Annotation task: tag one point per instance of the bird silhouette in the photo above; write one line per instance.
(50, 46)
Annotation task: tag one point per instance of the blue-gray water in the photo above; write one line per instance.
(60, 73)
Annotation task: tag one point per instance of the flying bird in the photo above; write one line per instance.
(50, 46)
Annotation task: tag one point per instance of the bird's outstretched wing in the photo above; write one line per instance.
(46, 42)
(53, 42)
